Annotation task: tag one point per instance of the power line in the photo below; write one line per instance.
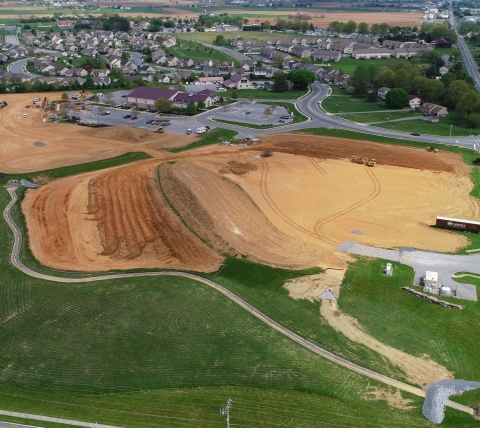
(226, 411)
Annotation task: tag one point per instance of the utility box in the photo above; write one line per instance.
(388, 271)
(431, 279)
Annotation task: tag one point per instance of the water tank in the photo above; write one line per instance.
(445, 291)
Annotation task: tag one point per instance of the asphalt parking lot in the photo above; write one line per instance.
(253, 114)
(116, 118)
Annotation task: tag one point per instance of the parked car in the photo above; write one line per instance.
(134, 117)
(165, 123)
(189, 131)
(25, 115)
(124, 96)
(127, 116)
(207, 127)
(415, 134)
(285, 116)
(281, 121)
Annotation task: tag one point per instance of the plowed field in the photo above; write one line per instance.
(112, 220)
(66, 144)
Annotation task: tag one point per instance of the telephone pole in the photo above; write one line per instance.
(226, 411)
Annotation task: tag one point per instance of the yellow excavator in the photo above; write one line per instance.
(159, 130)
(82, 96)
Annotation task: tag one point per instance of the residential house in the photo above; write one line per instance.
(247, 64)
(263, 72)
(382, 92)
(414, 102)
(211, 71)
(429, 109)
(342, 80)
(326, 56)
(344, 46)
(375, 53)
(238, 82)
(225, 65)
(443, 70)
(301, 51)
(146, 69)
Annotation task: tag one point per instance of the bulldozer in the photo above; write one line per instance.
(370, 162)
(358, 159)
(432, 149)
(159, 130)
(364, 161)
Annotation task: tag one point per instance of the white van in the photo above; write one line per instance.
(201, 130)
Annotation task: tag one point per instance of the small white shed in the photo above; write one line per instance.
(431, 279)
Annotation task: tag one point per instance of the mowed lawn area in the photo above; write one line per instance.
(350, 104)
(441, 128)
(417, 327)
(198, 52)
(262, 94)
(245, 35)
(381, 116)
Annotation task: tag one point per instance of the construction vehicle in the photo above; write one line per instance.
(358, 159)
(248, 140)
(28, 106)
(370, 162)
(159, 130)
(3, 104)
(432, 149)
(364, 161)
(81, 97)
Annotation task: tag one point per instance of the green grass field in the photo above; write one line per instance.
(169, 351)
(349, 103)
(441, 128)
(260, 94)
(413, 325)
(216, 136)
(381, 116)
(190, 50)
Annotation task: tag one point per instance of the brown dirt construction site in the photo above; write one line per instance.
(292, 209)
(67, 144)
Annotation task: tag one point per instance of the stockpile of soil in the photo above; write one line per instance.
(385, 154)
(223, 215)
(238, 168)
(122, 133)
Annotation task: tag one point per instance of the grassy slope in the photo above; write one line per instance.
(125, 336)
(215, 136)
(189, 50)
(381, 116)
(413, 325)
(261, 94)
(349, 103)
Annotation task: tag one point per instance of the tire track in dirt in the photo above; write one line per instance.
(321, 223)
(316, 165)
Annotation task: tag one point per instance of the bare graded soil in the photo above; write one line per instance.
(290, 210)
(223, 215)
(115, 219)
(340, 148)
(65, 144)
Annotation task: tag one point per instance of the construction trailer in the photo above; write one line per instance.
(458, 224)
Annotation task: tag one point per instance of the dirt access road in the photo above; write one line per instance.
(15, 259)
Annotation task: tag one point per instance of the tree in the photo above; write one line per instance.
(474, 120)
(396, 98)
(281, 24)
(363, 28)
(447, 79)
(455, 92)
(372, 97)
(360, 80)
(460, 116)
(336, 26)
(65, 96)
(469, 102)
(234, 95)
(267, 25)
(301, 78)
(384, 77)
(402, 80)
(220, 40)
(164, 105)
(268, 112)
(350, 27)
(280, 82)
(201, 104)
(89, 83)
(278, 61)
(190, 109)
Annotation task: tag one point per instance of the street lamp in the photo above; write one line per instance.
(246, 117)
(451, 130)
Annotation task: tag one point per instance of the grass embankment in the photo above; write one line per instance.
(260, 94)
(381, 116)
(351, 104)
(170, 351)
(215, 136)
(199, 52)
(411, 324)
(441, 128)
(66, 171)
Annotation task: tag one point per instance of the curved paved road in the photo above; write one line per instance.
(15, 259)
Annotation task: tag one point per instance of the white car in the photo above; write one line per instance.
(24, 114)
